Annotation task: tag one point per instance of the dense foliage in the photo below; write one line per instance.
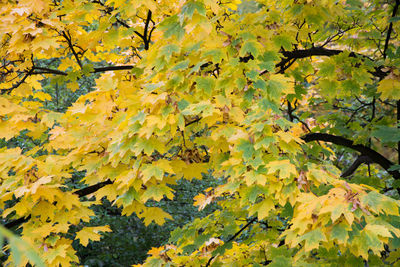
(130, 239)
(292, 107)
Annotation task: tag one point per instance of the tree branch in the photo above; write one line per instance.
(360, 160)
(112, 68)
(41, 70)
(81, 193)
(17, 222)
(71, 46)
(398, 126)
(321, 51)
(389, 32)
(95, 70)
(146, 38)
(364, 150)
(233, 237)
(3, 91)
(91, 189)
(48, 71)
(107, 10)
(193, 121)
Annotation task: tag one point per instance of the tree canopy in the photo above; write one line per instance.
(292, 105)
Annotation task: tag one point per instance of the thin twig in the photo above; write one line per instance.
(233, 237)
(3, 91)
(389, 32)
(71, 46)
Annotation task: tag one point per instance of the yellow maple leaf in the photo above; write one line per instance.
(23, 90)
(56, 131)
(389, 88)
(91, 233)
(42, 96)
(154, 214)
(285, 167)
(262, 208)
(202, 200)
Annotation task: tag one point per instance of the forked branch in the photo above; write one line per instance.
(373, 155)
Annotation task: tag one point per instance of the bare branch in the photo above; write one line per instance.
(389, 32)
(373, 155)
(91, 189)
(360, 160)
(234, 236)
(146, 38)
(71, 46)
(48, 71)
(112, 68)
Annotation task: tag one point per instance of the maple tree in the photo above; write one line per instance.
(293, 104)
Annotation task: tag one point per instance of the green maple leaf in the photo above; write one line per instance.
(312, 239)
(339, 232)
(387, 134)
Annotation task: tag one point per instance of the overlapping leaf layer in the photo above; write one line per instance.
(189, 87)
